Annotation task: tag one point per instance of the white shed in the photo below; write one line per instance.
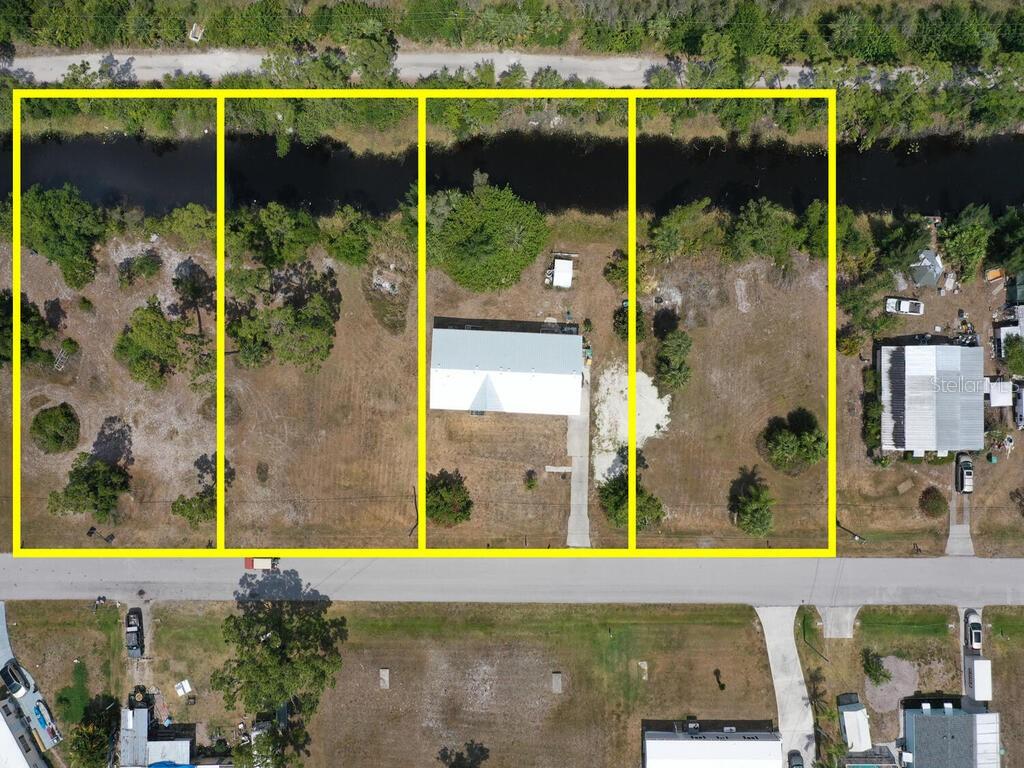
(563, 273)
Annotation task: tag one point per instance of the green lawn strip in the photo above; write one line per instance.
(892, 624)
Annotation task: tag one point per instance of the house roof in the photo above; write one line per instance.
(932, 398)
(177, 752)
(133, 738)
(952, 738)
(669, 750)
(506, 371)
(927, 270)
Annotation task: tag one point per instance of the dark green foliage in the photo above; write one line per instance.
(34, 331)
(193, 225)
(671, 371)
(143, 266)
(485, 239)
(795, 443)
(814, 224)
(198, 509)
(687, 231)
(448, 501)
(751, 504)
(87, 745)
(616, 271)
(765, 229)
(300, 334)
(871, 430)
(347, 235)
(1007, 244)
(93, 488)
(55, 429)
(965, 240)
(874, 668)
(620, 323)
(614, 497)
(957, 32)
(933, 502)
(149, 345)
(63, 227)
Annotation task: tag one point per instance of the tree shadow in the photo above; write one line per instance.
(113, 443)
(206, 471)
(666, 320)
(276, 586)
(102, 711)
(196, 290)
(801, 421)
(472, 755)
(749, 477)
(54, 314)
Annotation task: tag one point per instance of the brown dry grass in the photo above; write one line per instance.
(759, 351)
(1005, 646)
(493, 452)
(340, 444)
(168, 429)
(868, 499)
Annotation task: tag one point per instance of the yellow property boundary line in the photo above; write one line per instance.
(421, 96)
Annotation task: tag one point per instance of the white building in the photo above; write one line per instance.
(933, 398)
(137, 751)
(704, 744)
(506, 371)
(17, 747)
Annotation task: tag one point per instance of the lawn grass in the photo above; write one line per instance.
(576, 227)
(72, 700)
(890, 623)
(1003, 645)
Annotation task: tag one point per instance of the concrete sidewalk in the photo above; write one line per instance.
(578, 444)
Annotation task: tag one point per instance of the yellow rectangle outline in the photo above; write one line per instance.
(421, 96)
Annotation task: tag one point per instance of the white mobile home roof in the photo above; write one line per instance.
(506, 371)
(709, 752)
(932, 398)
(856, 731)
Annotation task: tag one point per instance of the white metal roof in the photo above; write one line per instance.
(506, 371)
(986, 740)
(1000, 393)
(710, 752)
(11, 753)
(932, 398)
(173, 752)
(133, 737)
(856, 730)
(563, 273)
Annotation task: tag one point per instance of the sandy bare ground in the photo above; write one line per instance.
(338, 446)
(158, 436)
(759, 351)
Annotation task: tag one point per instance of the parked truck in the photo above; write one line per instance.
(978, 676)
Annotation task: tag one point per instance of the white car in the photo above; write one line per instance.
(972, 630)
(14, 680)
(896, 305)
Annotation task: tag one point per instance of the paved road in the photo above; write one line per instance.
(614, 71)
(826, 582)
(796, 718)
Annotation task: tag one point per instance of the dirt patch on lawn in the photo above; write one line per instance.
(903, 682)
(759, 351)
(163, 438)
(493, 452)
(328, 459)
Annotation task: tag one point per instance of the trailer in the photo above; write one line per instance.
(978, 678)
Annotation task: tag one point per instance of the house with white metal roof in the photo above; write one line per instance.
(17, 747)
(137, 750)
(490, 367)
(933, 398)
(711, 744)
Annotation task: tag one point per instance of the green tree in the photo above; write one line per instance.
(56, 429)
(348, 235)
(1014, 351)
(63, 227)
(754, 514)
(485, 239)
(300, 335)
(620, 323)
(874, 667)
(149, 345)
(965, 240)
(616, 270)
(671, 371)
(34, 331)
(614, 497)
(448, 500)
(794, 444)
(93, 487)
(87, 746)
(687, 230)
(284, 646)
(198, 509)
(765, 229)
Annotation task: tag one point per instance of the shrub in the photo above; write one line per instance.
(448, 500)
(754, 515)
(1014, 351)
(63, 227)
(56, 429)
(614, 497)
(670, 369)
(616, 271)
(148, 346)
(530, 479)
(793, 444)
(873, 666)
(144, 266)
(620, 323)
(687, 230)
(201, 508)
(765, 229)
(93, 487)
(933, 502)
(487, 238)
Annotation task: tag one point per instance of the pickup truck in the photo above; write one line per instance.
(133, 637)
(896, 305)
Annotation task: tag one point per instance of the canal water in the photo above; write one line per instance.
(558, 172)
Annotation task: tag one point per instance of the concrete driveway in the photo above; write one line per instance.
(6, 653)
(578, 444)
(796, 720)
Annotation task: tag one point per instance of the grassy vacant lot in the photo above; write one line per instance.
(759, 352)
(868, 495)
(920, 646)
(483, 673)
(338, 447)
(5, 420)
(1005, 646)
(158, 435)
(459, 673)
(73, 652)
(493, 452)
